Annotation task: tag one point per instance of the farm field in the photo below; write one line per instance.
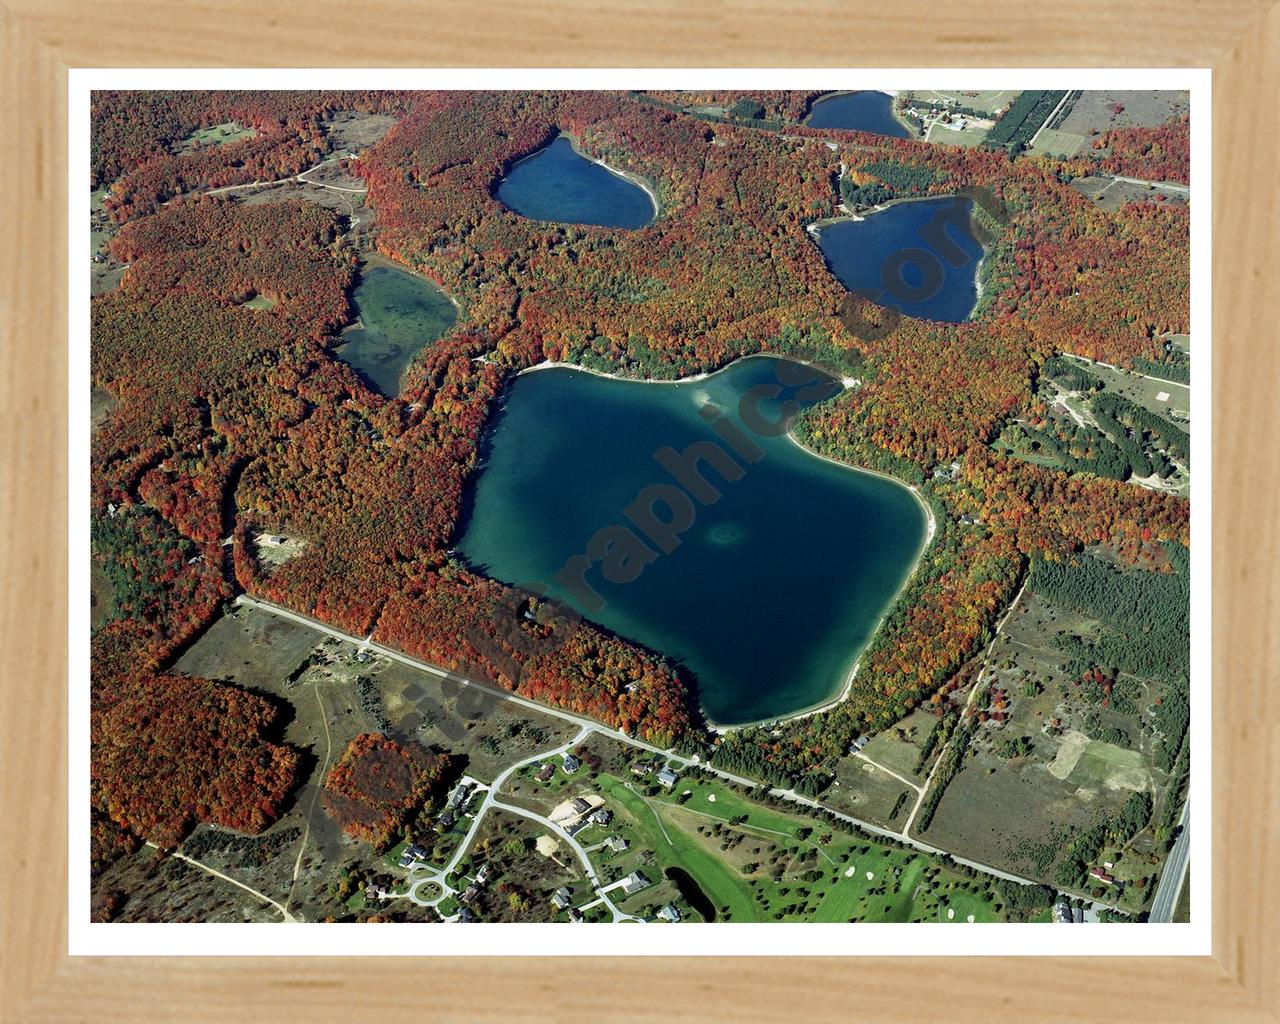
(989, 100)
(1017, 811)
(1094, 112)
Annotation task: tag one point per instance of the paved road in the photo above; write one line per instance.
(1174, 876)
(592, 726)
(1168, 185)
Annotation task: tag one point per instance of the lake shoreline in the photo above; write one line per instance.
(814, 229)
(930, 533)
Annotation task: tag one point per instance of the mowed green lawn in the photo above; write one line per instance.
(675, 848)
(897, 891)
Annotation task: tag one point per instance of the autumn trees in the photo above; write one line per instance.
(230, 420)
(377, 784)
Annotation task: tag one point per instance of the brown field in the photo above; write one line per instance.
(354, 130)
(1017, 813)
(1110, 194)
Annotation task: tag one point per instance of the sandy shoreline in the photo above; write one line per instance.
(931, 529)
(931, 525)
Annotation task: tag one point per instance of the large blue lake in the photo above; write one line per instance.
(863, 111)
(400, 314)
(556, 184)
(766, 596)
(918, 257)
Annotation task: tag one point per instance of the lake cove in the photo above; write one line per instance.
(765, 574)
(399, 315)
(919, 257)
(558, 184)
(860, 111)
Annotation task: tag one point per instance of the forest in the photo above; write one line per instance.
(230, 420)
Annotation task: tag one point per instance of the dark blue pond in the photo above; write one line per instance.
(863, 111)
(920, 258)
(772, 584)
(556, 184)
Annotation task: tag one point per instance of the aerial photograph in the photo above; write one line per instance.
(673, 506)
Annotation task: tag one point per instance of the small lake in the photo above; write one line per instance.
(400, 314)
(860, 111)
(768, 593)
(692, 892)
(919, 257)
(557, 184)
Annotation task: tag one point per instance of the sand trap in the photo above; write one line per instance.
(868, 768)
(1069, 751)
(951, 914)
(711, 797)
(849, 871)
(870, 875)
(969, 919)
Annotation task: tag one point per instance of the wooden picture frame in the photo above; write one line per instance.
(39, 41)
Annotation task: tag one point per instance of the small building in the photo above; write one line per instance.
(634, 882)
(670, 913)
(571, 764)
(546, 772)
(576, 915)
(561, 897)
(616, 843)
(447, 819)
(580, 806)
(642, 768)
(601, 816)
(1102, 876)
(667, 777)
(471, 892)
(483, 874)
(465, 916)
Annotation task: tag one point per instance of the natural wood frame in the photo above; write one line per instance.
(40, 39)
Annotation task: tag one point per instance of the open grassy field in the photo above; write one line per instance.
(1110, 194)
(971, 135)
(1095, 112)
(215, 135)
(355, 130)
(988, 100)
(1164, 398)
(759, 863)
(1018, 812)
(330, 697)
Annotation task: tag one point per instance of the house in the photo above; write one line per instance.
(571, 764)
(465, 916)
(580, 806)
(1102, 876)
(667, 777)
(483, 874)
(634, 882)
(472, 891)
(447, 819)
(616, 843)
(1062, 912)
(642, 768)
(859, 743)
(670, 913)
(576, 915)
(547, 771)
(601, 816)
(412, 854)
(561, 897)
